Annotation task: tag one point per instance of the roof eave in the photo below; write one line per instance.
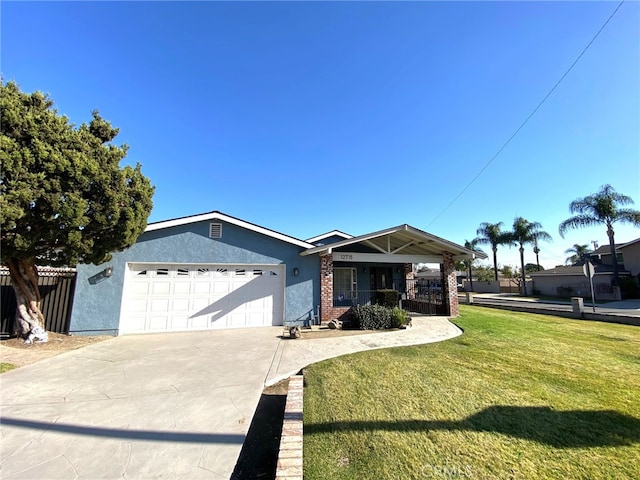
(332, 233)
(459, 251)
(216, 215)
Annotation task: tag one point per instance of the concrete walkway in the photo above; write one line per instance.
(293, 355)
(158, 406)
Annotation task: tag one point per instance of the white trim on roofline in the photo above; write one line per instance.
(337, 233)
(215, 215)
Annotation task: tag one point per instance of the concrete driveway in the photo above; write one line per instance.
(172, 406)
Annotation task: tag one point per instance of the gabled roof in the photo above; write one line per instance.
(215, 215)
(333, 233)
(403, 239)
(605, 249)
(628, 244)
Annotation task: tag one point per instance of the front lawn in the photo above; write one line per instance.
(517, 396)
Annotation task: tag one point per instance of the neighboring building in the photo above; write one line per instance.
(212, 271)
(627, 254)
(570, 281)
(503, 285)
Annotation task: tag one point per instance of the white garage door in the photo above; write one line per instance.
(160, 297)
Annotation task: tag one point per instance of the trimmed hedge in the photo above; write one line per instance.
(386, 298)
(378, 317)
(629, 288)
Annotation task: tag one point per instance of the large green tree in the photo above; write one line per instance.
(64, 199)
(602, 208)
(482, 273)
(491, 234)
(532, 267)
(525, 232)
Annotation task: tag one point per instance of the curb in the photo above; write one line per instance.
(600, 317)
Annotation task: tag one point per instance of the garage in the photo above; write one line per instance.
(166, 297)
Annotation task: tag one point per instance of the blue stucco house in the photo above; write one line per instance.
(214, 271)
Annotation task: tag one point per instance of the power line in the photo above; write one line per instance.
(486, 165)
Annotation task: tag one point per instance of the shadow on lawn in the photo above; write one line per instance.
(560, 429)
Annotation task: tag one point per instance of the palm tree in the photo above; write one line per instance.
(577, 253)
(599, 208)
(468, 264)
(526, 232)
(490, 234)
(539, 235)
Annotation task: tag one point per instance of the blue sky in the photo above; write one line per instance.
(306, 117)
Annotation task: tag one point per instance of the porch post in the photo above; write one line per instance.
(450, 283)
(409, 281)
(326, 288)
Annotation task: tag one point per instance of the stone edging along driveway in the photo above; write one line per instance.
(290, 462)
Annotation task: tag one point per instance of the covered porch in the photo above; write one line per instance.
(352, 270)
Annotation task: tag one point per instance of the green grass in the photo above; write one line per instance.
(5, 367)
(517, 396)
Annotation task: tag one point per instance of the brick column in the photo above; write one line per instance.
(450, 283)
(326, 288)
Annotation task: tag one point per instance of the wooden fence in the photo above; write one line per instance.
(56, 289)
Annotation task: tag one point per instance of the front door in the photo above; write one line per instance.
(381, 278)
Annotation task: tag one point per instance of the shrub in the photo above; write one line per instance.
(399, 317)
(386, 298)
(629, 288)
(378, 317)
(564, 291)
(372, 317)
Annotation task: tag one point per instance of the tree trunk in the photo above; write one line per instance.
(524, 279)
(29, 321)
(614, 258)
(495, 262)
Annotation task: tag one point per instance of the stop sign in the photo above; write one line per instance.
(588, 270)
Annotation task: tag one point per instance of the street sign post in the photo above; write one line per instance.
(589, 272)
